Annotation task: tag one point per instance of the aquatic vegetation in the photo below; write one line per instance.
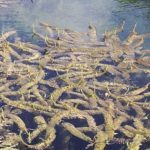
(77, 84)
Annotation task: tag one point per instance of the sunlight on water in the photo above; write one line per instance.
(76, 15)
(75, 80)
(66, 13)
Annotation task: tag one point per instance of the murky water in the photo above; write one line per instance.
(22, 14)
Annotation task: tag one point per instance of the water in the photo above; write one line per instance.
(75, 15)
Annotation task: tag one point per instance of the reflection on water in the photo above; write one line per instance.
(66, 13)
(76, 14)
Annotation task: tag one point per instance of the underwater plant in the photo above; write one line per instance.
(74, 86)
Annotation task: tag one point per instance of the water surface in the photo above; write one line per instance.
(75, 14)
